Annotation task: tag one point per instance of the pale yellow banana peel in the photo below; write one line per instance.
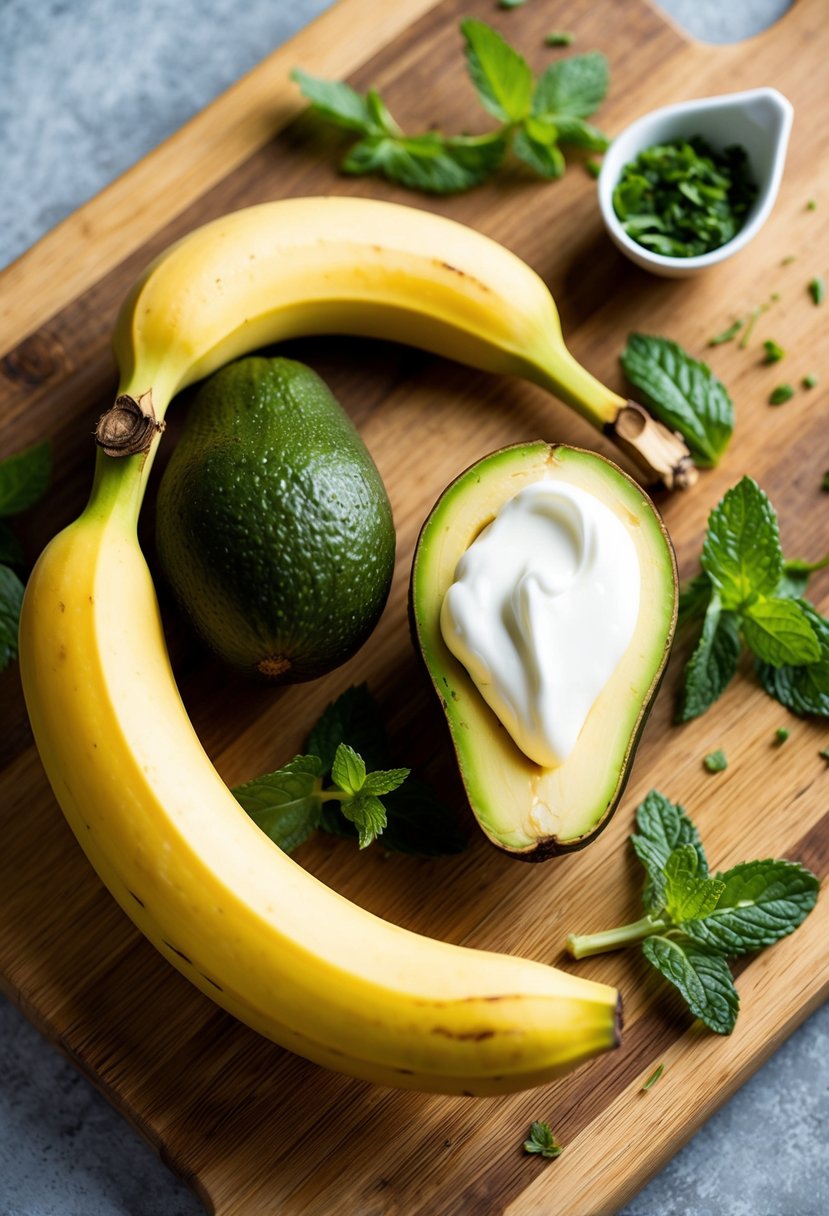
(240, 919)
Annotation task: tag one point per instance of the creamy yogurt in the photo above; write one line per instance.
(543, 606)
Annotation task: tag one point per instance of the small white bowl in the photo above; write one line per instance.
(760, 120)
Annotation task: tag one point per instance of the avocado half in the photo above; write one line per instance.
(527, 810)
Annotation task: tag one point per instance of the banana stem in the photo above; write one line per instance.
(582, 946)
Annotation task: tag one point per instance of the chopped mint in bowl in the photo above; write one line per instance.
(686, 186)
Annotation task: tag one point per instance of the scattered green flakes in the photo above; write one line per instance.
(774, 297)
(728, 335)
(756, 313)
(781, 735)
(716, 762)
(811, 205)
(593, 167)
(653, 1078)
(810, 381)
(787, 261)
(781, 394)
(559, 38)
(817, 288)
(774, 351)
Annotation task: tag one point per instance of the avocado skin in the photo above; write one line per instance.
(274, 528)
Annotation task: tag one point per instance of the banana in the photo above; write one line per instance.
(247, 925)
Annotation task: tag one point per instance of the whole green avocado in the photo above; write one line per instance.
(274, 528)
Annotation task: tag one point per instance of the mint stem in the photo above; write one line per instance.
(583, 945)
(797, 566)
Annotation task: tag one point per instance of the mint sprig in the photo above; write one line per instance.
(542, 1141)
(694, 921)
(749, 594)
(534, 116)
(347, 792)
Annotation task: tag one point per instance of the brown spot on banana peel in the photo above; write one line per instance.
(475, 1035)
(659, 453)
(128, 427)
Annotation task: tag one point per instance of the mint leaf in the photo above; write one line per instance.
(663, 827)
(694, 597)
(368, 815)
(653, 1078)
(11, 551)
(759, 902)
(348, 770)
(380, 114)
(338, 103)
(580, 133)
(741, 553)
(573, 87)
(703, 978)
(682, 392)
(355, 715)
(24, 478)
(716, 762)
(713, 662)
(546, 159)
(384, 781)
(434, 163)
(11, 597)
(542, 1141)
(779, 632)
(502, 77)
(285, 804)
(688, 893)
(803, 689)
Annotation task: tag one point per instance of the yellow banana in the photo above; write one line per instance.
(239, 918)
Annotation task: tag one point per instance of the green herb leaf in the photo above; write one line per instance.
(774, 352)
(559, 38)
(779, 632)
(355, 715)
(24, 478)
(716, 762)
(817, 289)
(663, 827)
(713, 662)
(781, 394)
(727, 335)
(741, 553)
(781, 735)
(653, 1078)
(348, 770)
(804, 689)
(501, 76)
(682, 392)
(434, 163)
(285, 804)
(593, 167)
(338, 103)
(688, 893)
(573, 87)
(694, 597)
(760, 902)
(546, 159)
(702, 977)
(542, 1141)
(383, 781)
(810, 381)
(580, 133)
(511, 3)
(11, 551)
(11, 597)
(368, 815)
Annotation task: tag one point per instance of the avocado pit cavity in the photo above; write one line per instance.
(543, 606)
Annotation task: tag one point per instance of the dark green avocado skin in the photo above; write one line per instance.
(274, 528)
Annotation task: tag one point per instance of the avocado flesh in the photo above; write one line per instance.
(274, 528)
(523, 808)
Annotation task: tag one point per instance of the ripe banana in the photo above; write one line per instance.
(239, 918)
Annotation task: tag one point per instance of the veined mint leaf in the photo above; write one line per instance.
(702, 977)
(713, 662)
(11, 597)
(356, 716)
(368, 815)
(779, 632)
(683, 392)
(434, 163)
(546, 159)
(741, 553)
(502, 77)
(339, 103)
(688, 894)
(803, 689)
(580, 133)
(384, 781)
(24, 478)
(574, 87)
(285, 804)
(759, 902)
(348, 770)
(542, 1141)
(663, 827)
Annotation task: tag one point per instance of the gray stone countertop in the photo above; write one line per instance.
(77, 108)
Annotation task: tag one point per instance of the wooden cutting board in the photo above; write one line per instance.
(254, 1129)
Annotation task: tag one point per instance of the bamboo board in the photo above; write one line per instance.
(253, 1128)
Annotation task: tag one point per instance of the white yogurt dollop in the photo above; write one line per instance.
(543, 606)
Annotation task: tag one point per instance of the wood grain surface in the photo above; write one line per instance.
(253, 1128)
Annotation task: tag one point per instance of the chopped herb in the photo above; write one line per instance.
(694, 922)
(817, 288)
(511, 3)
(824, 485)
(811, 205)
(756, 313)
(684, 198)
(593, 167)
(781, 735)
(824, 753)
(542, 1141)
(774, 352)
(810, 381)
(559, 38)
(774, 297)
(716, 762)
(787, 261)
(653, 1078)
(728, 335)
(781, 394)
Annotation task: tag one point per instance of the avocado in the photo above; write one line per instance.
(524, 808)
(274, 528)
